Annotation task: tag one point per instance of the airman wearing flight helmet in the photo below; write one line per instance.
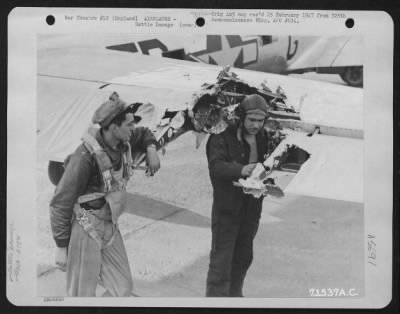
(232, 155)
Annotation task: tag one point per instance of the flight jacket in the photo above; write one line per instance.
(227, 153)
(82, 176)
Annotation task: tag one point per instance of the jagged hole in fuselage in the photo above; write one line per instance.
(293, 158)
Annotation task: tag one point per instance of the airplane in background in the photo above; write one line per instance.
(316, 128)
(340, 55)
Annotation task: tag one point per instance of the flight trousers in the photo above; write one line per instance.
(88, 262)
(231, 251)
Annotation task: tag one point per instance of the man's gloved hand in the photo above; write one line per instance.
(152, 159)
(248, 169)
(61, 257)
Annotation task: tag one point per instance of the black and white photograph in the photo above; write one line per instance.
(226, 166)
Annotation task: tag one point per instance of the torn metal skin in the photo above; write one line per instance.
(211, 111)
